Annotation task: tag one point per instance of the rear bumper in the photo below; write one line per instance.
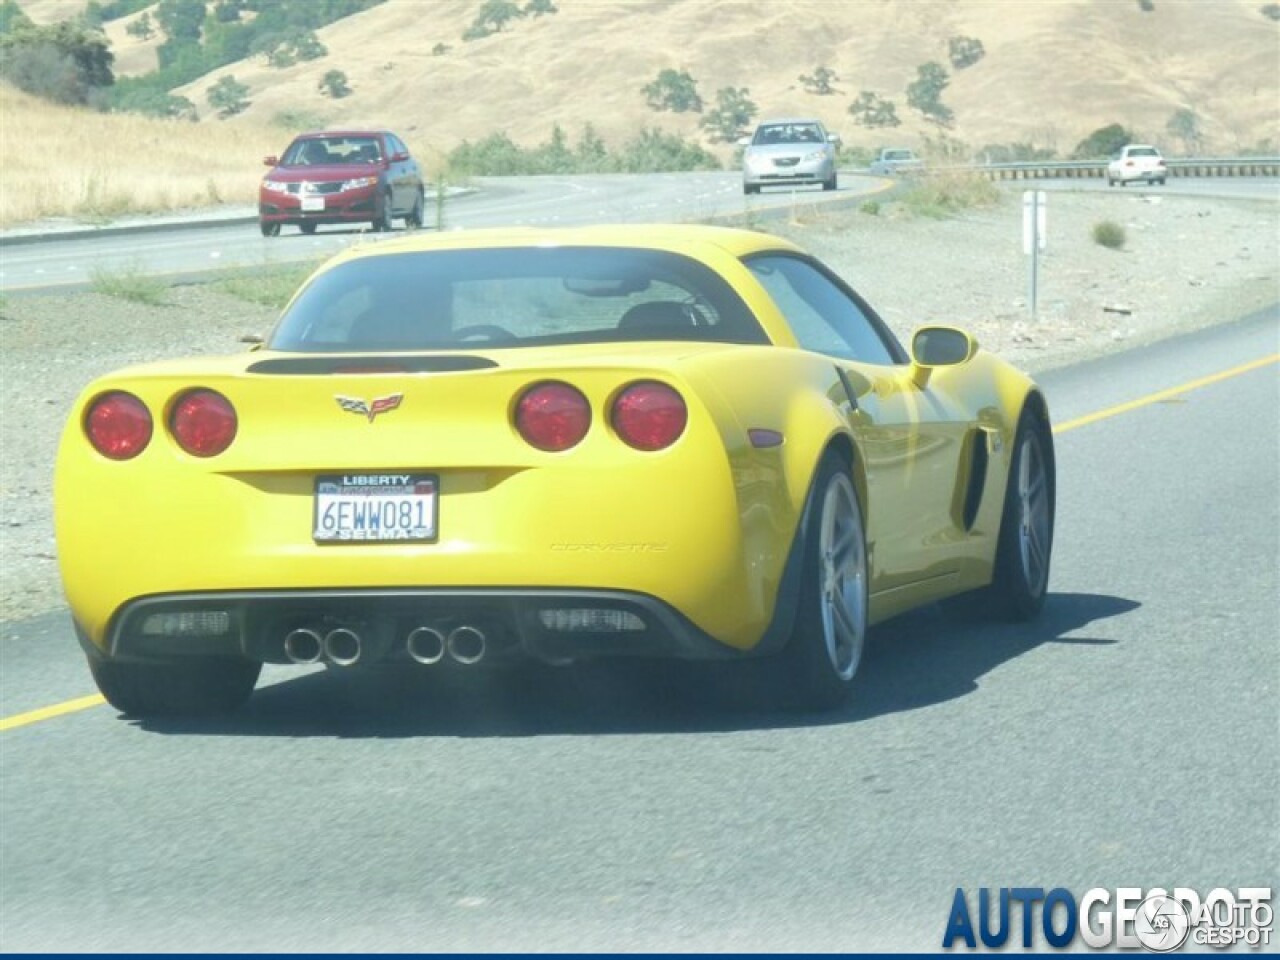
(538, 624)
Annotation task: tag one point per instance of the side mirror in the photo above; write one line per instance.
(939, 347)
(744, 141)
(833, 138)
(399, 157)
(271, 161)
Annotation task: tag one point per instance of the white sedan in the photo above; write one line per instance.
(1136, 162)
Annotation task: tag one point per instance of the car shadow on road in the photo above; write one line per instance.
(924, 658)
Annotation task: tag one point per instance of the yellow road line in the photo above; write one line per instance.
(45, 713)
(84, 703)
(1164, 394)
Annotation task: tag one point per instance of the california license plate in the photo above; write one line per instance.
(376, 507)
(311, 204)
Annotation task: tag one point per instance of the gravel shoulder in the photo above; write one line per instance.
(1188, 262)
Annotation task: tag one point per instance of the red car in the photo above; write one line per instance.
(341, 176)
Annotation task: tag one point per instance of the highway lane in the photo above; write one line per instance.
(1129, 738)
(505, 201)
(499, 201)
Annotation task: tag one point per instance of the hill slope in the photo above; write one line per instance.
(1054, 70)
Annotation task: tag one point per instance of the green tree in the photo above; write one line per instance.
(590, 155)
(732, 115)
(228, 11)
(12, 18)
(492, 17)
(1103, 142)
(673, 90)
(820, 82)
(536, 8)
(181, 20)
(141, 28)
(440, 49)
(869, 109)
(228, 96)
(965, 51)
(924, 93)
(1184, 125)
(334, 84)
(156, 103)
(66, 61)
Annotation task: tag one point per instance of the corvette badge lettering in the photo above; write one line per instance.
(370, 409)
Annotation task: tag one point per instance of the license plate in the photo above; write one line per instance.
(311, 204)
(376, 507)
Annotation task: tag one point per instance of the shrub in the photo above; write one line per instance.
(820, 81)
(1146, 6)
(673, 90)
(732, 115)
(141, 28)
(1014, 153)
(1108, 233)
(964, 51)
(1103, 142)
(12, 18)
(297, 120)
(228, 96)
(1184, 125)
(870, 207)
(653, 151)
(871, 110)
(440, 49)
(155, 103)
(1271, 10)
(334, 84)
(947, 194)
(130, 283)
(536, 8)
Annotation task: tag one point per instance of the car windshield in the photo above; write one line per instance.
(788, 133)
(513, 297)
(316, 151)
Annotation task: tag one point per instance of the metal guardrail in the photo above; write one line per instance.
(1178, 167)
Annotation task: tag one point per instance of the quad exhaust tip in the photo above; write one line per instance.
(426, 645)
(342, 646)
(467, 645)
(303, 646)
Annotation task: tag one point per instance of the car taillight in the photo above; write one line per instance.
(553, 416)
(649, 415)
(118, 425)
(203, 422)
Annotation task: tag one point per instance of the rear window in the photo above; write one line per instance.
(1143, 152)
(513, 297)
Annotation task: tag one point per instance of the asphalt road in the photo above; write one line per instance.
(73, 260)
(504, 201)
(1128, 738)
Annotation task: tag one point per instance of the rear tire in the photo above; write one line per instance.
(818, 665)
(191, 686)
(1025, 546)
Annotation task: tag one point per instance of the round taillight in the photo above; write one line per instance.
(649, 415)
(118, 425)
(203, 422)
(553, 416)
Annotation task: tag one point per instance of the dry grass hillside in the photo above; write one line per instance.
(1054, 70)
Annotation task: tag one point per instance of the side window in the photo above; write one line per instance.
(397, 146)
(823, 317)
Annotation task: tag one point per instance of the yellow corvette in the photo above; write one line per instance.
(479, 447)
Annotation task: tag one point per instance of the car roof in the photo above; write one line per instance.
(779, 121)
(693, 240)
(1139, 146)
(316, 134)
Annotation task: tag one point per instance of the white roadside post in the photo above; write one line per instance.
(1034, 221)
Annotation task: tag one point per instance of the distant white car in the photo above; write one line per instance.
(896, 161)
(1137, 161)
